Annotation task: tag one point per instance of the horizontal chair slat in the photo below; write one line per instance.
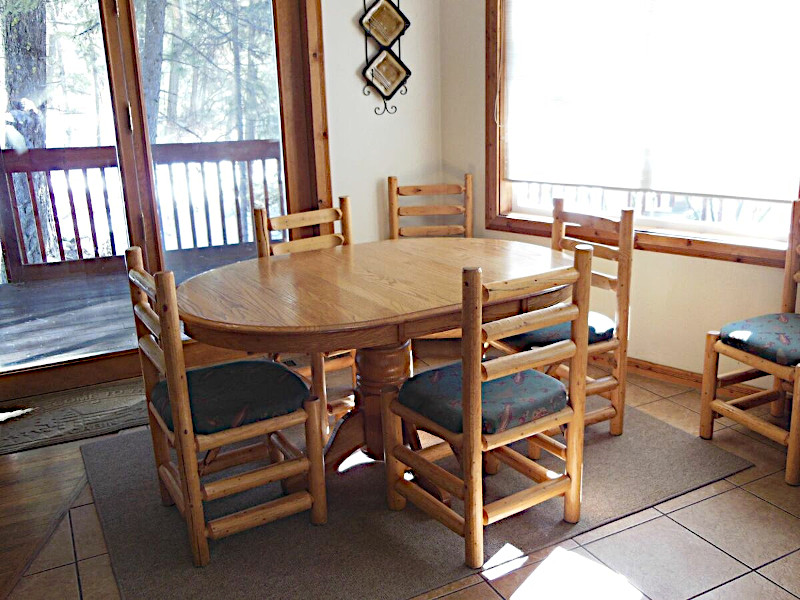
(495, 440)
(440, 477)
(319, 242)
(599, 250)
(143, 281)
(148, 317)
(432, 231)
(554, 447)
(765, 428)
(603, 347)
(603, 281)
(538, 319)
(602, 384)
(530, 359)
(257, 477)
(424, 501)
(432, 210)
(755, 399)
(425, 423)
(173, 487)
(592, 221)
(258, 515)
(305, 219)
(153, 353)
(762, 364)
(505, 507)
(739, 376)
(522, 464)
(170, 435)
(599, 415)
(449, 189)
(246, 432)
(524, 286)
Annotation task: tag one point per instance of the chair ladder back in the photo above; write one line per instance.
(395, 191)
(324, 216)
(525, 286)
(792, 267)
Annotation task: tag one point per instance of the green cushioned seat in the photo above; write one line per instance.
(774, 337)
(234, 394)
(507, 402)
(601, 328)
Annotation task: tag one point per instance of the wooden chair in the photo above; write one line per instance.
(321, 363)
(767, 345)
(205, 409)
(479, 408)
(426, 210)
(608, 339)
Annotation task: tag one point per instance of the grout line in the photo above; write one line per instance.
(777, 559)
(711, 543)
(75, 553)
(768, 502)
(716, 587)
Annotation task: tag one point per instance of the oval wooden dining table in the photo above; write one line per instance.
(375, 297)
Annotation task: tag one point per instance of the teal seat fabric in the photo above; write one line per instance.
(774, 337)
(507, 402)
(234, 394)
(601, 328)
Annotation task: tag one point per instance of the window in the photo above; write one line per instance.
(683, 110)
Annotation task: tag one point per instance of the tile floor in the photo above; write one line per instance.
(734, 539)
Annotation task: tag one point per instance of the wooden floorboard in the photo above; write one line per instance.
(37, 488)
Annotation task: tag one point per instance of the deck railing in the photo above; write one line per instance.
(66, 204)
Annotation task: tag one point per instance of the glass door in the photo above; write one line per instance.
(63, 224)
(210, 87)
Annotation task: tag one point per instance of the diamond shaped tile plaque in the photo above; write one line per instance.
(385, 22)
(386, 73)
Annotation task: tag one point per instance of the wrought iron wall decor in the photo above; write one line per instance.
(384, 23)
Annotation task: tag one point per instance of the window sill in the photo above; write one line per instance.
(751, 252)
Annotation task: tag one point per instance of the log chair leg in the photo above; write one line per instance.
(161, 454)
(491, 464)
(354, 369)
(534, 451)
(316, 467)
(392, 437)
(709, 390)
(620, 373)
(793, 452)
(193, 503)
(776, 407)
(574, 468)
(318, 388)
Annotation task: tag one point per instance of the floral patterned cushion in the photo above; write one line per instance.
(234, 394)
(601, 328)
(774, 337)
(507, 402)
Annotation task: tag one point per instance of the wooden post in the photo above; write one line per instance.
(347, 231)
(316, 411)
(262, 232)
(167, 309)
(620, 369)
(472, 349)
(318, 388)
(469, 214)
(789, 298)
(392, 437)
(559, 228)
(394, 218)
(709, 387)
(577, 383)
(133, 260)
(793, 452)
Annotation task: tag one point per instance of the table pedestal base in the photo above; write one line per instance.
(378, 368)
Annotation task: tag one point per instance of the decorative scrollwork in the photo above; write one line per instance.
(384, 86)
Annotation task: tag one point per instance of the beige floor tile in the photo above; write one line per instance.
(676, 415)
(86, 530)
(785, 572)
(617, 526)
(691, 400)
(665, 561)
(588, 578)
(662, 388)
(482, 591)
(750, 587)
(766, 460)
(57, 551)
(56, 584)
(758, 437)
(85, 497)
(744, 526)
(450, 588)
(707, 491)
(637, 396)
(97, 579)
(775, 490)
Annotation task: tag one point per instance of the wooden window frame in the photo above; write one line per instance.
(499, 214)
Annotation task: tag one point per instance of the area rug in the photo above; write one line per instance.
(365, 550)
(73, 415)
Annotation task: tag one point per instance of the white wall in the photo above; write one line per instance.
(366, 148)
(674, 299)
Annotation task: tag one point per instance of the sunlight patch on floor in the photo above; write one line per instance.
(14, 414)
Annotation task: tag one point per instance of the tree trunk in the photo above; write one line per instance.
(152, 61)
